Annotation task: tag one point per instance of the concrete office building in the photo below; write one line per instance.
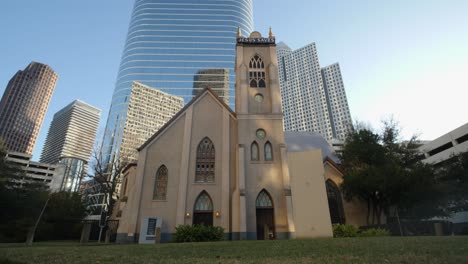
(70, 141)
(446, 146)
(24, 105)
(50, 174)
(168, 42)
(314, 98)
(441, 151)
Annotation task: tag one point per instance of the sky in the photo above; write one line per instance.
(402, 59)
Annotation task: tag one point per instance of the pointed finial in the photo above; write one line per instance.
(239, 33)
(270, 35)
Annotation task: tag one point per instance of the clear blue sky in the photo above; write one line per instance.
(408, 59)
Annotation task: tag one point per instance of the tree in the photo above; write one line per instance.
(106, 177)
(453, 180)
(62, 217)
(21, 201)
(384, 172)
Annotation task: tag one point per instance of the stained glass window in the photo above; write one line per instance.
(203, 203)
(160, 185)
(254, 151)
(257, 72)
(335, 204)
(268, 151)
(264, 200)
(205, 164)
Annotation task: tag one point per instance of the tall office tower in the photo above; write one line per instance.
(338, 109)
(24, 105)
(216, 79)
(168, 42)
(314, 99)
(148, 110)
(70, 141)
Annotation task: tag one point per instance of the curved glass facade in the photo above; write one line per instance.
(179, 47)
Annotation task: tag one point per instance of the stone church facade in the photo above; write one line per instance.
(210, 165)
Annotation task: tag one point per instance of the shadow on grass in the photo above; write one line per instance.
(8, 261)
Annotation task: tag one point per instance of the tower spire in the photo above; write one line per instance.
(239, 33)
(270, 34)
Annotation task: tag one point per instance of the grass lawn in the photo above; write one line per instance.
(411, 250)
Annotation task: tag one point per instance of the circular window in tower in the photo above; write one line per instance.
(261, 134)
(259, 98)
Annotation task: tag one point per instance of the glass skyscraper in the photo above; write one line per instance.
(171, 42)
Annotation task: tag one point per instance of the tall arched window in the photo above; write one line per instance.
(268, 151)
(203, 210)
(335, 203)
(257, 72)
(205, 162)
(160, 184)
(254, 151)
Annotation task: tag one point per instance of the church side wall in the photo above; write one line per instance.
(311, 214)
(167, 151)
(355, 210)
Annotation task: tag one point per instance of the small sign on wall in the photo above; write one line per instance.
(149, 230)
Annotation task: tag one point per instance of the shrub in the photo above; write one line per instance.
(198, 233)
(374, 232)
(343, 230)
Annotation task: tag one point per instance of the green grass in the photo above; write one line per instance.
(411, 250)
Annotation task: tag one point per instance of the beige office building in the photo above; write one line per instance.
(148, 110)
(209, 165)
(24, 105)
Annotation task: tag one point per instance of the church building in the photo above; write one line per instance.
(209, 165)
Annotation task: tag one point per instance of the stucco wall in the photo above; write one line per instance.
(354, 210)
(311, 214)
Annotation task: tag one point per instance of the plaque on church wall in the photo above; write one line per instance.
(148, 230)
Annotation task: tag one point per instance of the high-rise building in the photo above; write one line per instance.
(168, 42)
(144, 119)
(70, 141)
(314, 99)
(215, 79)
(24, 105)
(337, 103)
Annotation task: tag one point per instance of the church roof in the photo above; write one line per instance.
(189, 104)
(303, 141)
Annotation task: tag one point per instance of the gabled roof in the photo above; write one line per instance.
(189, 104)
(333, 164)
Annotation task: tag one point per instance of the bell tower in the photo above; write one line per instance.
(264, 193)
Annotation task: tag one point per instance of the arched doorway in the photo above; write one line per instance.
(265, 216)
(203, 210)
(335, 204)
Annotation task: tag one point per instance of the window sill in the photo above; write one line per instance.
(262, 162)
(204, 183)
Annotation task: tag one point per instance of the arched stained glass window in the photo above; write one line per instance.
(160, 184)
(257, 72)
(335, 203)
(205, 162)
(268, 151)
(203, 203)
(264, 200)
(254, 151)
